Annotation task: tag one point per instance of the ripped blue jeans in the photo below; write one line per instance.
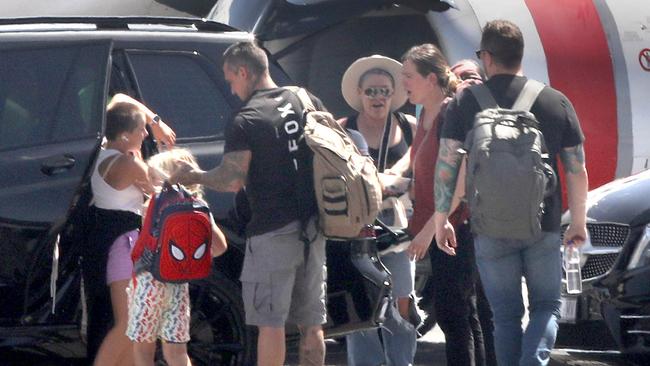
(398, 348)
(398, 336)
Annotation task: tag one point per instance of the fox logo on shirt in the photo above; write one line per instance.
(292, 129)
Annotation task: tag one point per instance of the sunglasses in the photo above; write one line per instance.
(378, 92)
(478, 53)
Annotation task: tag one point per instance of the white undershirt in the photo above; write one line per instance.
(109, 198)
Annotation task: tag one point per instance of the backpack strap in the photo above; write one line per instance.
(483, 96)
(406, 127)
(307, 106)
(302, 94)
(528, 95)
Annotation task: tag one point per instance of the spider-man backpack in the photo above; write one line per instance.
(174, 244)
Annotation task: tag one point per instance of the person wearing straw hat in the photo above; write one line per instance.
(372, 86)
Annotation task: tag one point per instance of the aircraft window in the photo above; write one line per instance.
(179, 89)
(49, 95)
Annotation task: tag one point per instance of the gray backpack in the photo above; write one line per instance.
(507, 177)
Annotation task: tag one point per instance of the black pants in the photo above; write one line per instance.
(454, 279)
(485, 327)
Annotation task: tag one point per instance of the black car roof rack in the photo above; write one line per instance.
(102, 23)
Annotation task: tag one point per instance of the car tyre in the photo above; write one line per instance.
(218, 330)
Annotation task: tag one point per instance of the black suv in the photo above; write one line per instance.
(55, 77)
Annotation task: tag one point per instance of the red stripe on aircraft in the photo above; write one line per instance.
(579, 65)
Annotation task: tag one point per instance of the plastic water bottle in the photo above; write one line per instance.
(572, 269)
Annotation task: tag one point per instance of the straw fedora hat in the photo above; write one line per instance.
(350, 81)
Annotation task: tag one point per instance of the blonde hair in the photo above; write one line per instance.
(167, 162)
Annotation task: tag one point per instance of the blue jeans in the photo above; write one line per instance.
(501, 264)
(398, 336)
(398, 348)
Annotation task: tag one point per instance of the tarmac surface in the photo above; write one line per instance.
(431, 351)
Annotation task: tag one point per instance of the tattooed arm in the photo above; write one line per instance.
(447, 167)
(444, 185)
(573, 160)
(230, 176)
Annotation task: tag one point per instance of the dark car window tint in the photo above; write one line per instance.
(179, 89)
(49, 95)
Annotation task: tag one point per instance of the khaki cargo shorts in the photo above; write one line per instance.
(278, 287)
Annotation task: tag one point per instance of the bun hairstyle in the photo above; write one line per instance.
(167, 162)
(428, 59)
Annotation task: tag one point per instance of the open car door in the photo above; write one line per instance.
(314, 41)
(274, 19)
(52, 101)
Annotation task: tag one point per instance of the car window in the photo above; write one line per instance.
(49, 95)
(179, 88)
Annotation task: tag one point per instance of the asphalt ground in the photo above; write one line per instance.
(431, 351)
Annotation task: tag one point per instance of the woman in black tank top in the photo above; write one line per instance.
(372, 86)
(395, 152)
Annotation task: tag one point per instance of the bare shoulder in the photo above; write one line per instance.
(124, 170)
(133, 165)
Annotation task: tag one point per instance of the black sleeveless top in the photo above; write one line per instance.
(395, 152)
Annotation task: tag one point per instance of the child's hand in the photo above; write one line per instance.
(219, 245)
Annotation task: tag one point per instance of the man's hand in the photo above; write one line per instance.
(164, 135)
(577, 182)
(445, 234)
(575, 234)
(185, 174)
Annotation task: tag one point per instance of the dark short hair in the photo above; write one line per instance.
(504, 41)
(120, 118)
(376, 71)
(247, 55)
(428, 59)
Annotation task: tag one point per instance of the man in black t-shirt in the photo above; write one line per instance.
(502, 262)
(283, 278)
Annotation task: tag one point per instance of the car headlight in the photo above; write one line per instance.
(641, 254)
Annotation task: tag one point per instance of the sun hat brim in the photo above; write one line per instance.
(350, 81)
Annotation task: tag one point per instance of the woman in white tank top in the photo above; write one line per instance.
(119, 184)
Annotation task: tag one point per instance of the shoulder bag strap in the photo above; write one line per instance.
(382, 156)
